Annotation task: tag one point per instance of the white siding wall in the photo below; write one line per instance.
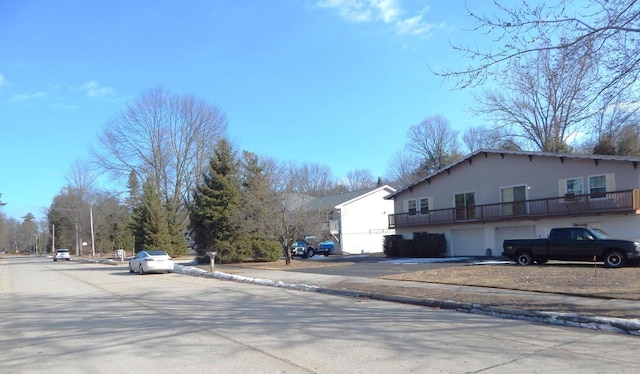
(364, 223)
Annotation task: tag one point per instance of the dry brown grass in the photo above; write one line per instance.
(572, 279)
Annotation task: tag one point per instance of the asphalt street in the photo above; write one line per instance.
(74, 317)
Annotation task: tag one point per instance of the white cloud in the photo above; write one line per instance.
(364, 10)
(387, 11)
(27, 96)
(415, 26)
(93, 89)
(3, 80)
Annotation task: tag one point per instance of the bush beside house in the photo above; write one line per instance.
(422, 245)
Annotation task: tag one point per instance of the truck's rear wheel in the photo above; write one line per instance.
(524, 259)
(311, 252)
(614, 259)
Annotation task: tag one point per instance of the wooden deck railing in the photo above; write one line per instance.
(618, 202)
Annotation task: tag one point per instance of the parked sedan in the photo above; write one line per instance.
(151, 261)
(61, 254)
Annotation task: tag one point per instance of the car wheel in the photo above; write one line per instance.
(55, 259)
(140, 270)
(311, 252)
(614, 259)
(131, 269)
(524, 259)
(68, 259)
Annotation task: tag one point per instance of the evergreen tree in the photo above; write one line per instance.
(150, 221)
(258, 198)
(215, 205)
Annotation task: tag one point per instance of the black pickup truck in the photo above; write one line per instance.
(573, 244)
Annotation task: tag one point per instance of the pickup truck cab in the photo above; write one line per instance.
(573, 244)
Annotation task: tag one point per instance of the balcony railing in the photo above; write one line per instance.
(618, 202)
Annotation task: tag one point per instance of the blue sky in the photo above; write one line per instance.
(337, 82)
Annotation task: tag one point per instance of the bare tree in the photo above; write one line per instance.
(611, 27)
(482, 137)
(613, 130)
(434, 142)
(360, 179)
(404, 169)
(545, 99)
(276, 208)
(166, 137)
(310, 179)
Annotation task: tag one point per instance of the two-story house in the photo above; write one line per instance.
(489, 196)
(356, 221)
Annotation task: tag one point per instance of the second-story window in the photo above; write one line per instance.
(571, 187)
(574, 186)
(411, 205)
(424, 205)
(465, 205)
(597, 186)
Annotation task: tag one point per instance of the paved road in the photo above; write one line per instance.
(70, 317)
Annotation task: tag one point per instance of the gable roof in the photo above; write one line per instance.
(530, 154)
(331, 202)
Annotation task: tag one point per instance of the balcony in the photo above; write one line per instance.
(618, 202)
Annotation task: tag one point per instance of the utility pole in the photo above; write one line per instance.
(93, 244)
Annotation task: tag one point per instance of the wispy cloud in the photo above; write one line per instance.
(363, 10)
(93, 89)
(26, 97)
(416, 26)
(386, 11)
(3, 80)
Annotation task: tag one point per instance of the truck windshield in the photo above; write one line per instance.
(600, 234)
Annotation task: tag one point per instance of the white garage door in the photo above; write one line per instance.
(516, 232)
(468, 242)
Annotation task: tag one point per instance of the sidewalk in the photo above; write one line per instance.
(327, 284)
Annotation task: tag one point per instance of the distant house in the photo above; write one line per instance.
(356, 221)
(489, 196)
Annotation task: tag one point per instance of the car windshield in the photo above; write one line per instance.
(157, 253)
(600, 234)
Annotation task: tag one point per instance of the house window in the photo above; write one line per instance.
(513, 200)
(597, 186)
(411, 205)
(570, 187)
(465, 205)
(424, 205)
(573, 186)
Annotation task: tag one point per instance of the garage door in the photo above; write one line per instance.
(468, 242)
(516, 232)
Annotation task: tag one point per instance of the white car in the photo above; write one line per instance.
(61, 254)
(151, 261)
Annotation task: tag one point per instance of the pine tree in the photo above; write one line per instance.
(150, 221)
(216, 202)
